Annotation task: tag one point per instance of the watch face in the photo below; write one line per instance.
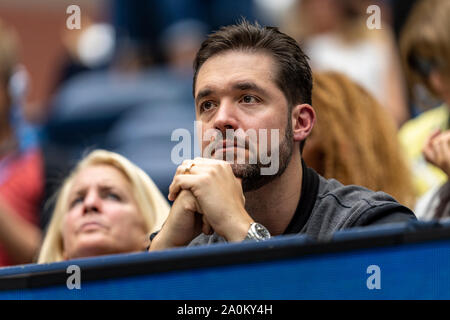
(257, 232)
(261, 231)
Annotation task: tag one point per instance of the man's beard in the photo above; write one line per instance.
(251, 176)
(250, 173)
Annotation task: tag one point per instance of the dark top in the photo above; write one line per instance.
(326, 206)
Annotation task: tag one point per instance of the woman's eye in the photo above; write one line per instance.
(76, 201)
(113, 196)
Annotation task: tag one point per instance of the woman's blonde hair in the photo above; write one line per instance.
(151, 203)
(355, 140)
(425, 42)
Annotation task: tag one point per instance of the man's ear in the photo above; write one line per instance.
(303, 119)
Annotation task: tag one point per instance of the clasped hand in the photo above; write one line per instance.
(207, 198)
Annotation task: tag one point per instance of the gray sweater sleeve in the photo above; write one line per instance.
(340, 207)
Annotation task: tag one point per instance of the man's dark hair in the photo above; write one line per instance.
(293, 74)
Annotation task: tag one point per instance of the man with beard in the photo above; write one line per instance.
(249, 79)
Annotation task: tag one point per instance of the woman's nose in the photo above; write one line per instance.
(92, 203)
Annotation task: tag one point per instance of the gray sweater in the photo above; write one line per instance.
(327, 206)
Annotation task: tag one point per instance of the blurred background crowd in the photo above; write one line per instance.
(123, 82)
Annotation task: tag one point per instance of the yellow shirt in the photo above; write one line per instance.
(413, 136)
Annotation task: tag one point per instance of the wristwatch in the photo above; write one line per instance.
(257, 232)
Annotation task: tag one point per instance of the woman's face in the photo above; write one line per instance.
(102, 216)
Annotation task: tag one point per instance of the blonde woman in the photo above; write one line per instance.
(107, 205)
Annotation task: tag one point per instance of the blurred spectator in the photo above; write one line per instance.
(21, 176)
(88, 49)
(425, 51)
(141, 25)
(336, 37)
(107, 205)
(354, 139)
(180, 42)
(436, 203)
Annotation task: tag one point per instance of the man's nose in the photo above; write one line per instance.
(92, 203)
(226, 117)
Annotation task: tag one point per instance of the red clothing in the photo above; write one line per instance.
(21, 188)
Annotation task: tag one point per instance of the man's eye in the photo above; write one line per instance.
(249, 99)
(207, 105)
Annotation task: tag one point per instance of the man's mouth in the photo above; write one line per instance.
(227, 146)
